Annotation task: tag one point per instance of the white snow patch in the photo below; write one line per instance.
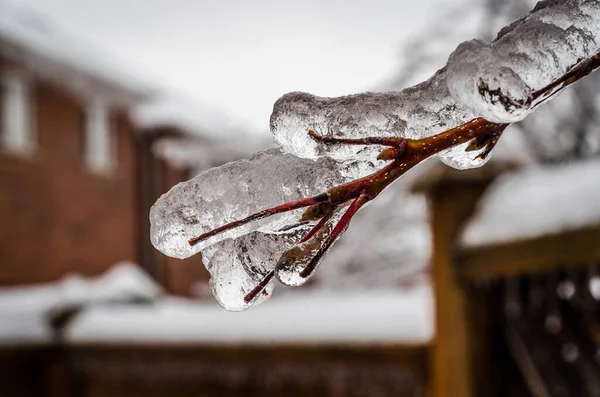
(201, 155)
(122, 283)
(190, 116)
(537, 202)
(25, 311)
(357, 317)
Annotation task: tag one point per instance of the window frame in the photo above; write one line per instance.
(18, 125)
(99, 140)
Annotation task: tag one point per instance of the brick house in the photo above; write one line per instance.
(77, 168)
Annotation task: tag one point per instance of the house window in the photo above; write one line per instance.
(16, 131)
(98, 145)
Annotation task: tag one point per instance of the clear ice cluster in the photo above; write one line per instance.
(233, 191)
(495, 80)
(415, 112)
(237, 265)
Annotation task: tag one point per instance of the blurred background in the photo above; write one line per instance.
(474, 283)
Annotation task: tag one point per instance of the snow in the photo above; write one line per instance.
(537, 202)
(125, 281)
(31, 37)
(193, 117)
(316, 317)
(25, 311)
(201, 155)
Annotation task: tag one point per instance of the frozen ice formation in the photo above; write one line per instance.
(415, 112)
(490, 80)
(237, 265)
(502, 81)
(294, 260)
(496, 80)
(233, 191)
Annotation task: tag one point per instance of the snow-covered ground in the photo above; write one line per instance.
(125, 306)
(305, 317)
(536, 202)
(25, 311)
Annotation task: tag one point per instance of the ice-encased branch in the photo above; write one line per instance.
(500, 81)
(490, 80)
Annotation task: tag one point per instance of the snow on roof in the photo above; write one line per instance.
(201, 155)
(315, 317)
(25, 310)
(536, 202)
(23, 313)
(190, 116)
(30, 37)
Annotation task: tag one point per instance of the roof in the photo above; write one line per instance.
(303, 317)
(536, 202)
(192, 117)
(33, 39)
(201, 155)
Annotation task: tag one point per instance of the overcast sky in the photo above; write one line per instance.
(243, 55)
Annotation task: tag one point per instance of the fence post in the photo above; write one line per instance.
(452, 197)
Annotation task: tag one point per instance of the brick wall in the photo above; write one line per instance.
(56, 216)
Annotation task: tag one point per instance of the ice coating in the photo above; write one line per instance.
(415, 112)
(492, 90)
(234, 191)
(238, 265)
(490, 80)
(496, 80)
(296, 258)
